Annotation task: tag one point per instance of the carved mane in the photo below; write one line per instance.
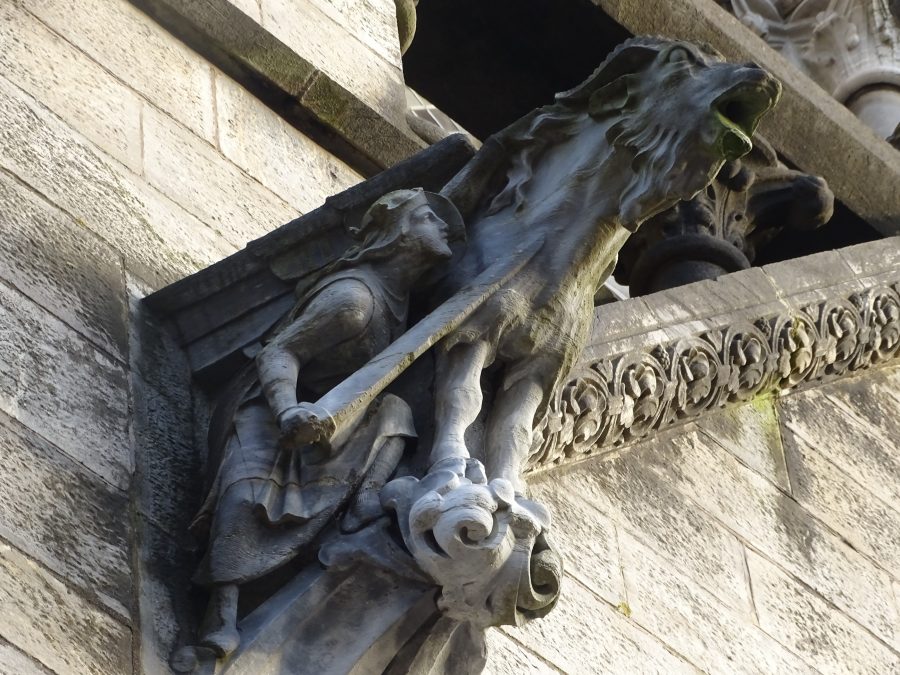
(612, 90)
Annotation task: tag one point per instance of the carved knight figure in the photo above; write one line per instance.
(406, 561)
(271, 495)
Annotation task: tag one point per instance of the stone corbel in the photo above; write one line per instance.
(383, 367)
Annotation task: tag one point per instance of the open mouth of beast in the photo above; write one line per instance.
(739, 109)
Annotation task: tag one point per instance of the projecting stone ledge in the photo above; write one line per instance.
(672, 357)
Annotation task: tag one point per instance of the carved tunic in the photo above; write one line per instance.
(265, 504)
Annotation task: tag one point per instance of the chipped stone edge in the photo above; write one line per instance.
(623, 390)
(289, 84)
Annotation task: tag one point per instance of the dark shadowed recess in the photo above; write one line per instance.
(488, 62)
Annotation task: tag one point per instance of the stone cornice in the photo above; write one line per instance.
(292, 86)
(821, 318)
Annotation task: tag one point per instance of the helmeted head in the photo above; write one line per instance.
(678, 109)
(408, 217)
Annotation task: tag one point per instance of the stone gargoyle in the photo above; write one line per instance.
(367, 504)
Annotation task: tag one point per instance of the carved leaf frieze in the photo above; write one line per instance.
(623, 398)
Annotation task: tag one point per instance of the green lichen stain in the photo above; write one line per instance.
(624, 608)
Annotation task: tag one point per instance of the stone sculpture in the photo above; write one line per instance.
(721, 229)
(271, 495)
(397, 525)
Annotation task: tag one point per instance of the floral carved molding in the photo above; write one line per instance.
(623, 398)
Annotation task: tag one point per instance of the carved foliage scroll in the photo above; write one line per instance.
(620, 399)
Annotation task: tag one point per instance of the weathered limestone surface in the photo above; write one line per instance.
(64, 268)
(106, 111)
(58, 384)
(317, 31)
(803, 577)
(624, 490)
(752, 434)
(192, 173)
(157, 238)
(277, 155)
(824, 637)
(584, 636)
(506, 657)
(712, 635)
(108, 128)
(46, 619)
(167, 73)
(65, 516)
(15, 662)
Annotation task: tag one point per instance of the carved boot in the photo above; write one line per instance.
(219, 630)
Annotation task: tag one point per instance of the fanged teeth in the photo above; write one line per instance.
(730, 148)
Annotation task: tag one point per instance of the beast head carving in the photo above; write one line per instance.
(678, 109)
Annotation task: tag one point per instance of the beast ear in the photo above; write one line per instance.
(610, 98)
(628, 58)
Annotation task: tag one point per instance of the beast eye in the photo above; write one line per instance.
(678, 55)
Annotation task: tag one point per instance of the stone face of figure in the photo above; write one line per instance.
(273, 493)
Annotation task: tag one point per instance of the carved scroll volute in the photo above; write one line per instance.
(483, 545)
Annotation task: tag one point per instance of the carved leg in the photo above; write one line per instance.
(366, 507)
(457, 398)
(219, 630)
(511, 429)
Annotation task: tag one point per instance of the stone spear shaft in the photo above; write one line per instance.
(333, 411)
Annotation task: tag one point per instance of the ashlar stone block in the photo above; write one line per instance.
(15, 662)
(814, 629)
(506, 657)
(588, 539)
(694, 623)
(585, 636)
(65, 516)
(276, 154)
(62, 267)
(334, 50)
(638, 502)
(56, 383)
(777, 526)
(856, 421)
(871, 525)
(159, 241)
(50, 622)
(72, 85)
(164, 70)
(193, 174)
(752, 434)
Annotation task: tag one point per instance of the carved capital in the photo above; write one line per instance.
(721, 229)
(851, 48)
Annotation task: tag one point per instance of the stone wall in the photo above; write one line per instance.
(127, 161)
(759, 539)
(762, 539)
